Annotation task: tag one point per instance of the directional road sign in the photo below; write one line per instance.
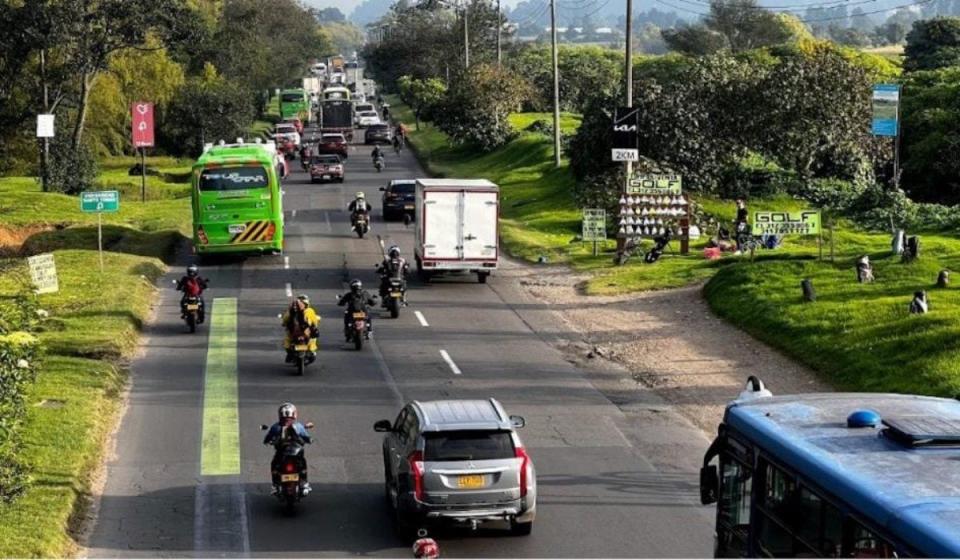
(100, 201)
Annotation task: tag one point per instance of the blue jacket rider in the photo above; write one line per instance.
(287, 418)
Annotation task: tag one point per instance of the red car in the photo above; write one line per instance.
(333, 143)
(296, 122)
(327, 167)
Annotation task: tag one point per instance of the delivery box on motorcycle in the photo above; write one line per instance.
(458, 226)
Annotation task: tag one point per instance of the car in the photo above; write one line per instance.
(378, 133)
(296, 122)
(398, 198)
(286, 132)
(367, 118)
(457, 462)
(326, 167)
(360, 107)
(332, 143)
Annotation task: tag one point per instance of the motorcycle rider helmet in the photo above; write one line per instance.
(192, 270)
(360, 195)
(304, 298)
(394, 252)
(356, 286)
(286, 410)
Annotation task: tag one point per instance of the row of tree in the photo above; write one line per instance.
(209, 66)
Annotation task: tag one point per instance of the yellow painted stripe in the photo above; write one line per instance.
(220, 447)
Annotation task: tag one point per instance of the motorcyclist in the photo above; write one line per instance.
(393, 267)
(192, 285)
(376, 154)
(301, 321)
(357, 299)
(286, 428)
(305, 154)
(358, 206)
(400, 132)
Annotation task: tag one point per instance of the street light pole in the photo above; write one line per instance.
(556, 84)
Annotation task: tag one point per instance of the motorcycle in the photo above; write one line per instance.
(361, 224)
(358, 330)
(302, 355)
(378, 163)
(395, 296)
(190, 311)
(290, 464)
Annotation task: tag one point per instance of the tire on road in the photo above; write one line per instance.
(520, 529)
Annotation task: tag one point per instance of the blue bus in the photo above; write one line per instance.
(830, 475)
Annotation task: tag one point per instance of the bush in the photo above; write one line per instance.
(70, 171)
(540, 126)
(477, 107)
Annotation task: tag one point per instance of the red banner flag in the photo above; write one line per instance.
(142, 123)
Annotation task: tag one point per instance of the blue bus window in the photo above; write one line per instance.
(736, 488)
(865, 544)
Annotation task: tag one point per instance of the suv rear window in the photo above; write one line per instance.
(328, 160)
(470, 445)
(403, 188)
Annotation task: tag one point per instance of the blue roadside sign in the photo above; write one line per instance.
(886, 110)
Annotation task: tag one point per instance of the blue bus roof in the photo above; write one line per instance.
(912, 492)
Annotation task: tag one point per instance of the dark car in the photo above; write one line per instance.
(377, 133)
(333, 143)
(398, 198)
(327, 167)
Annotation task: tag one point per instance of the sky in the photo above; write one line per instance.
(347, 6)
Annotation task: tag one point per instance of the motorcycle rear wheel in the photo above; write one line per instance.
(301, 363)
(358, 341)
(192, 322)
(394, 306)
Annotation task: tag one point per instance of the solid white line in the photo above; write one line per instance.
(286, 262)
(453, 366)
(289, 290)
(421, 318)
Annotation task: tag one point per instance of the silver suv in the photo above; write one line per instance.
(458, 462)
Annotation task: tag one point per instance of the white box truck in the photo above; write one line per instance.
(458, 227)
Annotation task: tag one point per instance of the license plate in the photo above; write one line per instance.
(408, 206)
(193, 306)
(325, 177)
(359, 315)
(301, 347)
(396, 294)
(471, 481)
(289, 477)
(237, 229)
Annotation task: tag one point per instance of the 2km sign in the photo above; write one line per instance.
(626, 134)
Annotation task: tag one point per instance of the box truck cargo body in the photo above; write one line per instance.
(457, 227)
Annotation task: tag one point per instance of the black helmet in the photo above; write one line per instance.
(356, 286)
(286, 410)
(192, 270)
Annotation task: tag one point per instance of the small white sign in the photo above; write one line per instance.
(45, 126)
(43, 273)
(626, 155)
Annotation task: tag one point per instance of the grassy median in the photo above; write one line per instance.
(94, 327)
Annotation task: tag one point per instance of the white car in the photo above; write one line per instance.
(367, 118)
(283, 131)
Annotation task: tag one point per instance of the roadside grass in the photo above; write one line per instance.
(94, 323)
(167, 208)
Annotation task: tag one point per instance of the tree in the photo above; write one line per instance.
(331, 15)
(738, 25)
(369, 11)
(344, 37)
(932, 44)
(421, 95)
(930, 135)
(891, 32)
(849, 36)
(477, 106)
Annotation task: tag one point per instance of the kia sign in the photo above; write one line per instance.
(142, 124)
(626, 124)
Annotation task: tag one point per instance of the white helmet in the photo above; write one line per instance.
(360, 194)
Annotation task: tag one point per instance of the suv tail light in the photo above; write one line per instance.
(271, 230)
(416, 470)
(524, 467)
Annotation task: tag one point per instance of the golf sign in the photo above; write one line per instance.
(804, 222)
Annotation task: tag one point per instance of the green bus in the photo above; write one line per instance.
(236, 201)
(294, 103)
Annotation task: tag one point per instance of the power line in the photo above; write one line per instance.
(534, 16)
(811, 20)
(792, 7)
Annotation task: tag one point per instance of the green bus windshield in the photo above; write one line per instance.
(234, 179)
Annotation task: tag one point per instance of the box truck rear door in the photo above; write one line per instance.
(441, 217)
(480, 225)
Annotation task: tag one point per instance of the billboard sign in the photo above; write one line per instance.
(142, 123)
(655, 184)
(594, 224)
(626, 128)
(804, 222)
(886, 109)
(43, 273)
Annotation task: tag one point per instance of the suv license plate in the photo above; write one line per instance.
(408, 206)
(326, 177)
(289, 477)
(470, 481)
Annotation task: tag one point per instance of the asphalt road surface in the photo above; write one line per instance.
(190, 477)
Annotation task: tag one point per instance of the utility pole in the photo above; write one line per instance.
(45, 154)
(628, 72)
(556, 84)
(499, 26)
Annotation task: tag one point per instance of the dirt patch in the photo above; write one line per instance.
(12, 239)
(669, 341)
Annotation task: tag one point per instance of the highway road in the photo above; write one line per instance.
(190, 477)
